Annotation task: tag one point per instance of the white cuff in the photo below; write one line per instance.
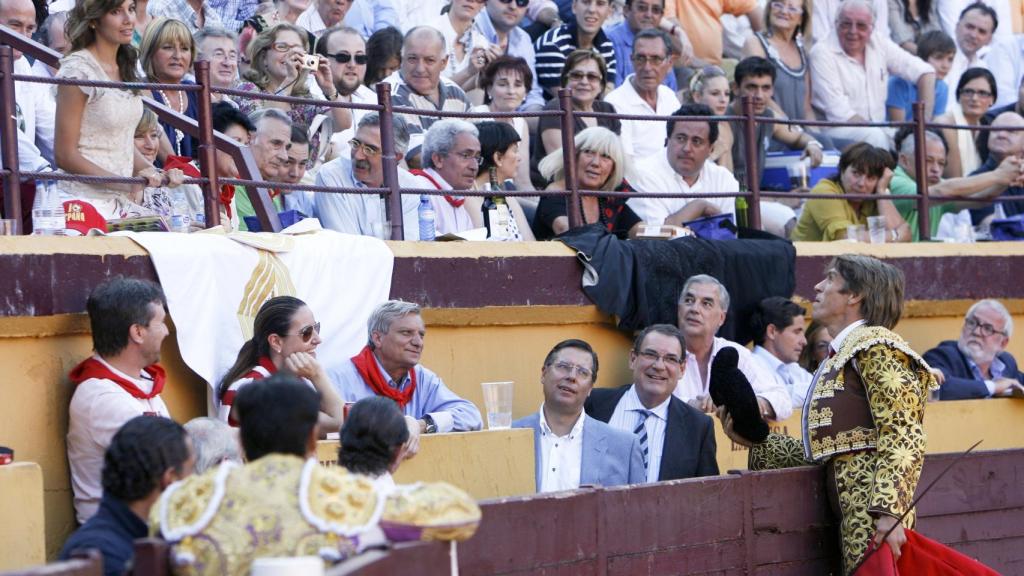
(991, 387)
(444, 421)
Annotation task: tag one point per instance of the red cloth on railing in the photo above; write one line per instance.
(921, 556)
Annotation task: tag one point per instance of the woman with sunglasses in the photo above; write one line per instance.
(276, 58)
(586, 74)
(468, 51)
(285, 337)
(710, 86)
(975, 95)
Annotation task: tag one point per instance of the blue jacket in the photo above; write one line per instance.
(960, 381)
(111, 531)
(610, 457)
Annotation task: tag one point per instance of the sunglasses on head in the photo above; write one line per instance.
(344, 57)
(519, 3)
(306, 333)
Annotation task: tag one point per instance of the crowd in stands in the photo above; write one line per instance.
(853, 61)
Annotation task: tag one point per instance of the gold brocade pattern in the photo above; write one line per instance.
(876, 470)
(440, 511)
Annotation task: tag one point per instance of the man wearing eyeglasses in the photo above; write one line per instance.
(851, 69)
(978, 365)
(218, 47)
(345, 51)
(365, 214)
(451, 159)
(572, 448)
(676, 440)
(645, 92)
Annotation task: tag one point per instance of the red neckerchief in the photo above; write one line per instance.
(367, 367)
(227, 195)
(93, 368)
(455, 202)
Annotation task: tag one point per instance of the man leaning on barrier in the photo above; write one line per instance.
(863, 418)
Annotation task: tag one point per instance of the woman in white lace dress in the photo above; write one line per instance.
(95, 127)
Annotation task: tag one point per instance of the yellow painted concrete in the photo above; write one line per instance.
(488, 464)
(21, 508)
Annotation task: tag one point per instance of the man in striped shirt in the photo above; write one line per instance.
(418, 83)
(583, 34)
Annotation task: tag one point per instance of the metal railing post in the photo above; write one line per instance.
(9, 138)
(393, 204)
(921, 168)
(207, 149)
(750, 149)
(574, 207)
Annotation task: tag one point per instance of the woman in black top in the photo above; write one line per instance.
(599, 166)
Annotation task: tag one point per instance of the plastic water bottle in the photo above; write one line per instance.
(426, 215)
(48, 211)
(181, 212)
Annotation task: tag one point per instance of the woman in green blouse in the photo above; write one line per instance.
(863, 169)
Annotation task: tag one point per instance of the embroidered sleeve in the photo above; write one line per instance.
(435, 511)
(777, 451)
(897, 391)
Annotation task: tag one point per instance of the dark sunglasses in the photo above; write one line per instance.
(307, 332)
(344, 57)
(519, 3)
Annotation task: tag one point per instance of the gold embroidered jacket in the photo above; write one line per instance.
(870, 396)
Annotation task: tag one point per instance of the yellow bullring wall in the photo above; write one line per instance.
(465, 346)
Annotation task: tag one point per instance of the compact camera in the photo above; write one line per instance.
(310, 62)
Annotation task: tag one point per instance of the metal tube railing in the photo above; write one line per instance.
(210, 142)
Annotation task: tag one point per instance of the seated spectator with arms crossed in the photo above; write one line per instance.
(978, 365)
(389, 365)
(676, 440)
(572, 448)
(120, 381)
(145, 456)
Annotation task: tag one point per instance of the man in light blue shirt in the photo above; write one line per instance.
(364, 214)
(369, 16)
(499, 23)
(389, 366)
(639, 15)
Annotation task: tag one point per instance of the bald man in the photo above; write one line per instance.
(418, 83)
(1003, 144)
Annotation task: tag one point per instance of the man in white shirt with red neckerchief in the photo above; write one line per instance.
(451, 158)
(120, 381)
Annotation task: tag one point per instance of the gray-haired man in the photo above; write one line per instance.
(451, 159)
(364, 214)
(389, 366)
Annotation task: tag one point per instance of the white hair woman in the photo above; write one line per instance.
(600, 165)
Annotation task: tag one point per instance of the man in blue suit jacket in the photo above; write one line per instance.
(977, 365)
(680, 439)
(572, 448)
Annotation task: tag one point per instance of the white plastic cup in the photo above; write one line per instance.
(498, 402)
(855, 233)
(798, 174)
(876, 229)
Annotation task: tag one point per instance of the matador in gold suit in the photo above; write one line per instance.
(863, 416)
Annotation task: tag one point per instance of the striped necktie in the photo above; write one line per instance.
(641, 431)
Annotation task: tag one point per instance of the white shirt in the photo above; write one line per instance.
(38, 106)
(1005, 62)
(837, 342)
(642, 139)
(843, 87)
(310, 20)
(823, 19)
(340, 140)
(625, 417)
(792, 375)
(561, 457)
(655, 174)
(99, 407)
(447, 218)
(691, 385)
(361, 214)
(950, 10)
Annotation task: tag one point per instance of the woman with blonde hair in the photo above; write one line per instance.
(600, 165)
(160, 199)
(276, 67)
(167, 52)
(710, 86)
(95, 127)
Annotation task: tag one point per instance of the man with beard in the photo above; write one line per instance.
(345, 51)
(572, 448)
(977, 365)
(364, 214)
